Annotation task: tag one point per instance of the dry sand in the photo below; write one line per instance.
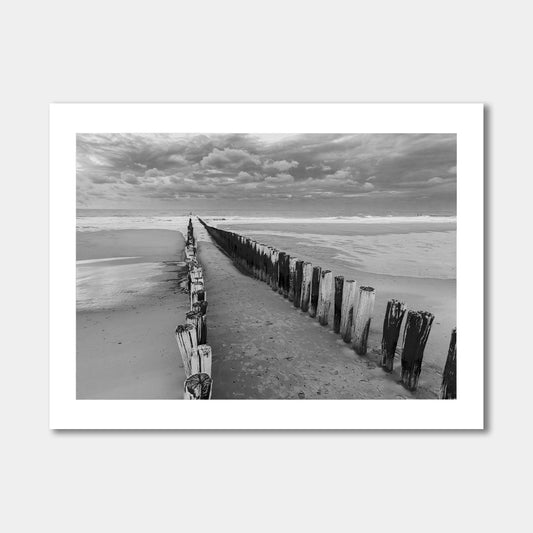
(128, 350)
(263, 347)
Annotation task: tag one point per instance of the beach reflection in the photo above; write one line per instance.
(103, 284)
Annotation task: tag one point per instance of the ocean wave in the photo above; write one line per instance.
(359, 219)
(98, 223)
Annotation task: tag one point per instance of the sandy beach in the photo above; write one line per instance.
(263, 347)
(414, 263)
(129, 303)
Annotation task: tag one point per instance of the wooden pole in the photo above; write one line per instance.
(284, 261)
(298, 278)
(281, 271)
(263, 262)
(339, 283)
(392, 324)
(315, 285)
(324, 297)
(363, 316)
(200, 307)
(187, 344)
(269, 265)
(348, 300)
(201, 360)
(292, 278)
(197, 293)
(199, 321)
(275, 270)
(307, 275)
(189, 253)
(198, 387)
(206, 358)
(448, 389)
(417, 328)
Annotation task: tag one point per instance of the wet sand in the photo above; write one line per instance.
(264, 348)
(126, 347)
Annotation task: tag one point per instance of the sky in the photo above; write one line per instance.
(126, 170)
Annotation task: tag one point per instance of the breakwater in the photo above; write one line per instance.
(191, 337)
(342, 305)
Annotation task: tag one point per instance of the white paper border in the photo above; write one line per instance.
(466, 120)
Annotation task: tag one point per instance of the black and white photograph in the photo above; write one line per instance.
(302, 266)
(299, 266)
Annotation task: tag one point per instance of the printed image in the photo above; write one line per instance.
(266, 266)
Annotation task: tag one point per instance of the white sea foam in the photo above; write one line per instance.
(426, 219)
(179, 223)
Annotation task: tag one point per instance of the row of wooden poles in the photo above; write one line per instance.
(192, 336)
(315, 291)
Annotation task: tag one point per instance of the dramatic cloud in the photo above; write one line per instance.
(230, 159)
(122, 170)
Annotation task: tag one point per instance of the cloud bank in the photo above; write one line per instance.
(151, 170)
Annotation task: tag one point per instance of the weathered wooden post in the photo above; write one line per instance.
(198, 387)
(200, 307)
(287, 276)
(187, 344)
(283, 281)
(298, 279)
(199, 321)
(195, 277)
(189, 253)
(263, 262)
(417, 328)
(339, 283)
(269, 265)
(257, 260)
(448, 389)
(324, 297)
(246, 254)
(363, 316)
(197, 293)
(307, 275)
(201, 360)
(275, 269)
(348, 301)
(315, 285)
(292, 278)
(206, 357)
(266, 261)
(195, 272)
(281, 271)
(392, 324)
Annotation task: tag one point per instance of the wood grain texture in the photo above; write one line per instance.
(315, 287)
(417, 328)
(392, 324)
(362, 319)
(448, 389)
(348, 302)
(325, 296)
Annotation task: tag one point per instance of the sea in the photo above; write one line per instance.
(404, 244)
